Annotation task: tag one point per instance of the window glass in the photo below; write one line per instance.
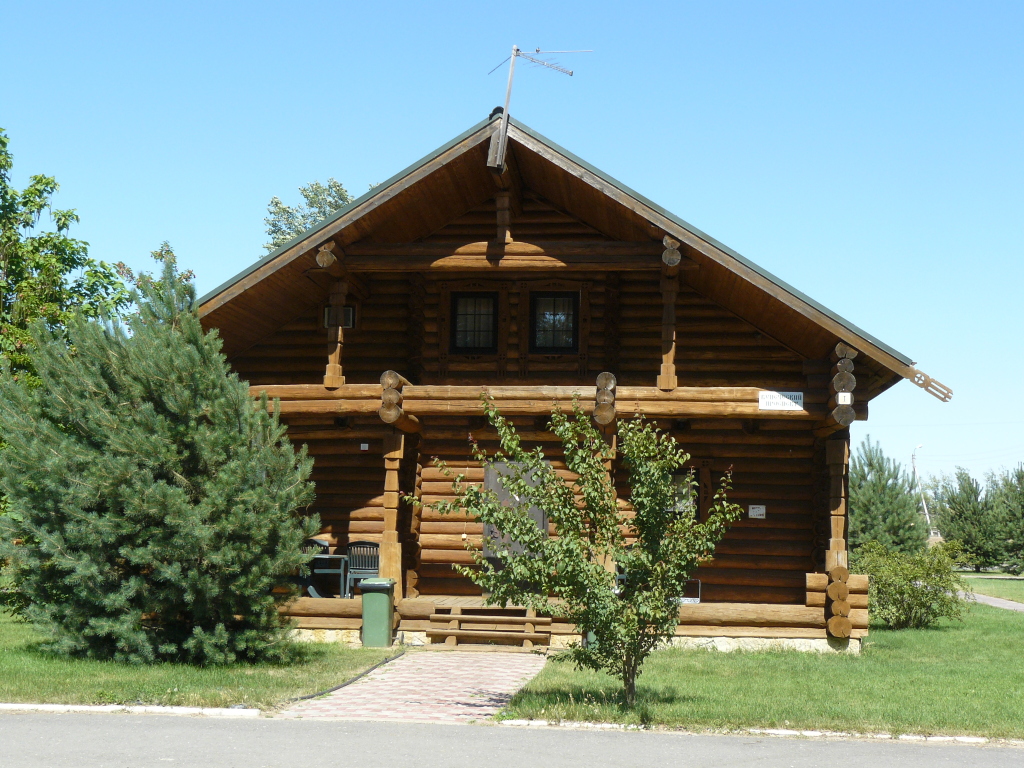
(473, 325)
(554, 322)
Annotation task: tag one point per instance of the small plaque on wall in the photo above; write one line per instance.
(756, 511)
(770, 400)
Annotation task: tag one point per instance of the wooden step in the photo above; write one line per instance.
(480, 618)
(487, 634)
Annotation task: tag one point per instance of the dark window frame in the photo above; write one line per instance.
(454, 322)
(538, 350)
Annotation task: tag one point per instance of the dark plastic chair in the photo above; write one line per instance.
(363, 563)
(321, 565)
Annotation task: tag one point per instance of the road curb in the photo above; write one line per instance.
(775, 732)
(139, 709)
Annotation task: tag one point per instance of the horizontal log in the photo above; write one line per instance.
(347, 406)
(324, 622)
(751, 614)
(324, 606)
(317, 391)
(415, 609)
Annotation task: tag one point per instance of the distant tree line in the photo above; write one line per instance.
(986, 519)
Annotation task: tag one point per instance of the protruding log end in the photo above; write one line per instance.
(844, 415)
(671, 257)
(391, 397)
(839, 626)
(840, 608)
(844, 351)
(838, 590)
(606, 380)
(604, 413)
(844, 381)
(396, 417)
(326, 256)
(839, 573)
(393, 380)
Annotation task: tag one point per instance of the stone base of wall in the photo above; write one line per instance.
(349, 636)
(729, 644)
(405, 637)
(807, 645)
(353, 637)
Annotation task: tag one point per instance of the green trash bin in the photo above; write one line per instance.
(378, 611)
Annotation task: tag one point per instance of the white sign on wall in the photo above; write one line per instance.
(756, 511)
(767, 400)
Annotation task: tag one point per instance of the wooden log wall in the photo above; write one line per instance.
(296, 353)
(759, 561)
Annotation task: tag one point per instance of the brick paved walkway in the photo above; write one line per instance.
(429, 686)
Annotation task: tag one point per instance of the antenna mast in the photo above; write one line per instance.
(496, 159)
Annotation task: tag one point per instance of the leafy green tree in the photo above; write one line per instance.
(154, 504)
(655, 547)
(1007, 493)
(967, 515)
(883, 504)
(287, 221)
(912, 591)
(45, 274)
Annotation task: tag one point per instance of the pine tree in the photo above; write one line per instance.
(968, 516)
(883, 505)
(152, 504)
(1007, 492)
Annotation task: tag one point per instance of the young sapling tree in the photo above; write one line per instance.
(616, 573)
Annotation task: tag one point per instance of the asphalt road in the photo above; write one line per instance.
(142, 741)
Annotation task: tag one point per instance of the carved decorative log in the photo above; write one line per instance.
(333, 375)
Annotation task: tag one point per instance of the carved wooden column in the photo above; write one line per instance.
(333, 376)
(390, 547)
(503, 204)
(671, 259)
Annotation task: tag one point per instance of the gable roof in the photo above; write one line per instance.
(450, 180)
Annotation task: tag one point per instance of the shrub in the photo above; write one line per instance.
(913, 591)
(153, 500)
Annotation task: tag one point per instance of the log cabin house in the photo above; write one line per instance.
(513, 266)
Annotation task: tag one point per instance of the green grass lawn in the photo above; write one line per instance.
(1006, 587)
(959, 678)
(27, 674)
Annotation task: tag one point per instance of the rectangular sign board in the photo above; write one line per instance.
(767, 400)
(756, 511)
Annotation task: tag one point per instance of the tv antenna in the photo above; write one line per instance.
(498, 160)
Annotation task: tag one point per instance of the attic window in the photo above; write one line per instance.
(475, 323)
(346, 315)
(554, 326)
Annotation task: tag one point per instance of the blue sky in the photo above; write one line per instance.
(870, 154)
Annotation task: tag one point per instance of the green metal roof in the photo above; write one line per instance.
(597, 172)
